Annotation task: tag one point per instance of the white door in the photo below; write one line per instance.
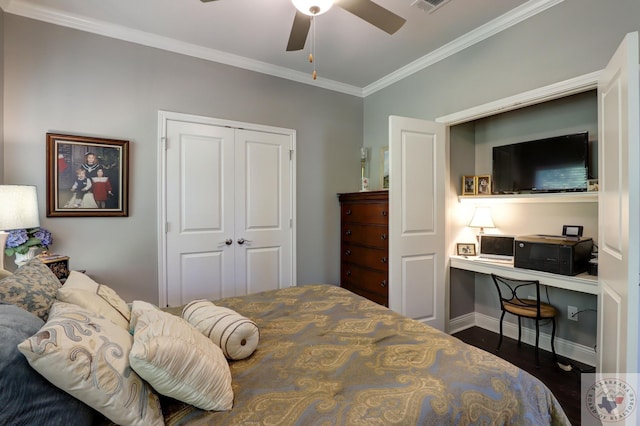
(618, 212)
(228, 209)
(416, 219)
(262, 212)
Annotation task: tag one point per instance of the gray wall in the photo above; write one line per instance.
(62, 80)
(573, 38)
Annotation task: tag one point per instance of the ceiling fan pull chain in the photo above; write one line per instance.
(314, 74)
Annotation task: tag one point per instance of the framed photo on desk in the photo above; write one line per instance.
(466, 249)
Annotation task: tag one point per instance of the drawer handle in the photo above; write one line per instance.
(348, 252)
(383, 283)
(348, 212)
(383, 237)
(384, 213)
(349, 273)
(348, 233)
(384, 260)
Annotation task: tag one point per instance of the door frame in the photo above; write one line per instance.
(163, 118)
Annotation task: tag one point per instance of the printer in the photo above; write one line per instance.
(550, 253)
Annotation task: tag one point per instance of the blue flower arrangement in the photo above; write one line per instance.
(21, 240)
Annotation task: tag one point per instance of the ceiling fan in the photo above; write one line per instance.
(367, 10)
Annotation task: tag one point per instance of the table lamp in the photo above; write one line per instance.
(18, 210)
(481, 219)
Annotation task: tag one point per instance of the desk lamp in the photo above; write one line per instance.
(481, 219)
(18, 209)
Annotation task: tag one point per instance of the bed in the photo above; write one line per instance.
(329, 357)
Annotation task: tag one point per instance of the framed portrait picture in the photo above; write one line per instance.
(465, 249)
(87, 176)
(469, 185)
(483, 185)
(384, 167)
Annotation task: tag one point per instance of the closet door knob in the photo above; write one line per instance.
(242, 241)
(348, 212)
(348, 233)
(349, 273)
(348, 252)
(383, 283)
(384, 213)
(383, 260)
(383, 237)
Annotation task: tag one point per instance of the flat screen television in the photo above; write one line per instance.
(556, 164)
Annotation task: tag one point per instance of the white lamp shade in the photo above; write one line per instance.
(482, 218)
(313, 7)
(18, 207)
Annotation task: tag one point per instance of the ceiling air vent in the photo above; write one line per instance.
(429, 6)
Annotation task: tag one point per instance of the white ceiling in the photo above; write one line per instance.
(352, 56)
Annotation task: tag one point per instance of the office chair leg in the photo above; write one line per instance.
(553, 335)
(500, 341)
(537, 341)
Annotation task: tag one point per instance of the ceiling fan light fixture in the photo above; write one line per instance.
(313, 7)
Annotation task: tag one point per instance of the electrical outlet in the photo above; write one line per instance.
(572, 313)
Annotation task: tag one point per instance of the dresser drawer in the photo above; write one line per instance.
(369, 235)
(375, 297)
(367, 279)
(365, 213)
(375, 258)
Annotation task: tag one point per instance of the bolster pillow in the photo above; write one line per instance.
(236, 335)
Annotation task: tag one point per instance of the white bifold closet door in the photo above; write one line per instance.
(228, 211)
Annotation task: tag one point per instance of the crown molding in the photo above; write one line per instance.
(28, 10)
(519, 14)
(501, 23)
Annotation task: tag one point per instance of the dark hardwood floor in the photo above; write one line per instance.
(565, 385)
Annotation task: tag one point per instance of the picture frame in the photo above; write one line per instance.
(466, 249)
(469, 185)
(384, 167)
(483, 185)
(87, 176)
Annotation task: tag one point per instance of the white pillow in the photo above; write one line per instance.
(87, 356)
(235, 334)
(81, 290)
(178, 361)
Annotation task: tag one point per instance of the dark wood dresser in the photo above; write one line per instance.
(364, 246)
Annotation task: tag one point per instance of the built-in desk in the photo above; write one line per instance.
(584, 282)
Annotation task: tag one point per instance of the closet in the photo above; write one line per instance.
(228, 203)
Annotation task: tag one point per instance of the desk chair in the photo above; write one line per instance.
(515, 302)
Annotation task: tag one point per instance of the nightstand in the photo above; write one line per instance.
(58, 264)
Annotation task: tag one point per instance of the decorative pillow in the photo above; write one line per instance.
(178, 361)
(81, 290)
(87, 356)
(26, 397)
(32, 287)
(236, 335)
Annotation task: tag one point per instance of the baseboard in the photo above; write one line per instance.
(564, 348)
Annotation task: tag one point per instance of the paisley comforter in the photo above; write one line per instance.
(329, 357)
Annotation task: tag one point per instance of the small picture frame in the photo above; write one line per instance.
(469, 186)
(465, 249)
(483, 183)
(384, 167)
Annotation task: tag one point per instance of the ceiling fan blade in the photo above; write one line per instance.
(374, 14)
(299, 31)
